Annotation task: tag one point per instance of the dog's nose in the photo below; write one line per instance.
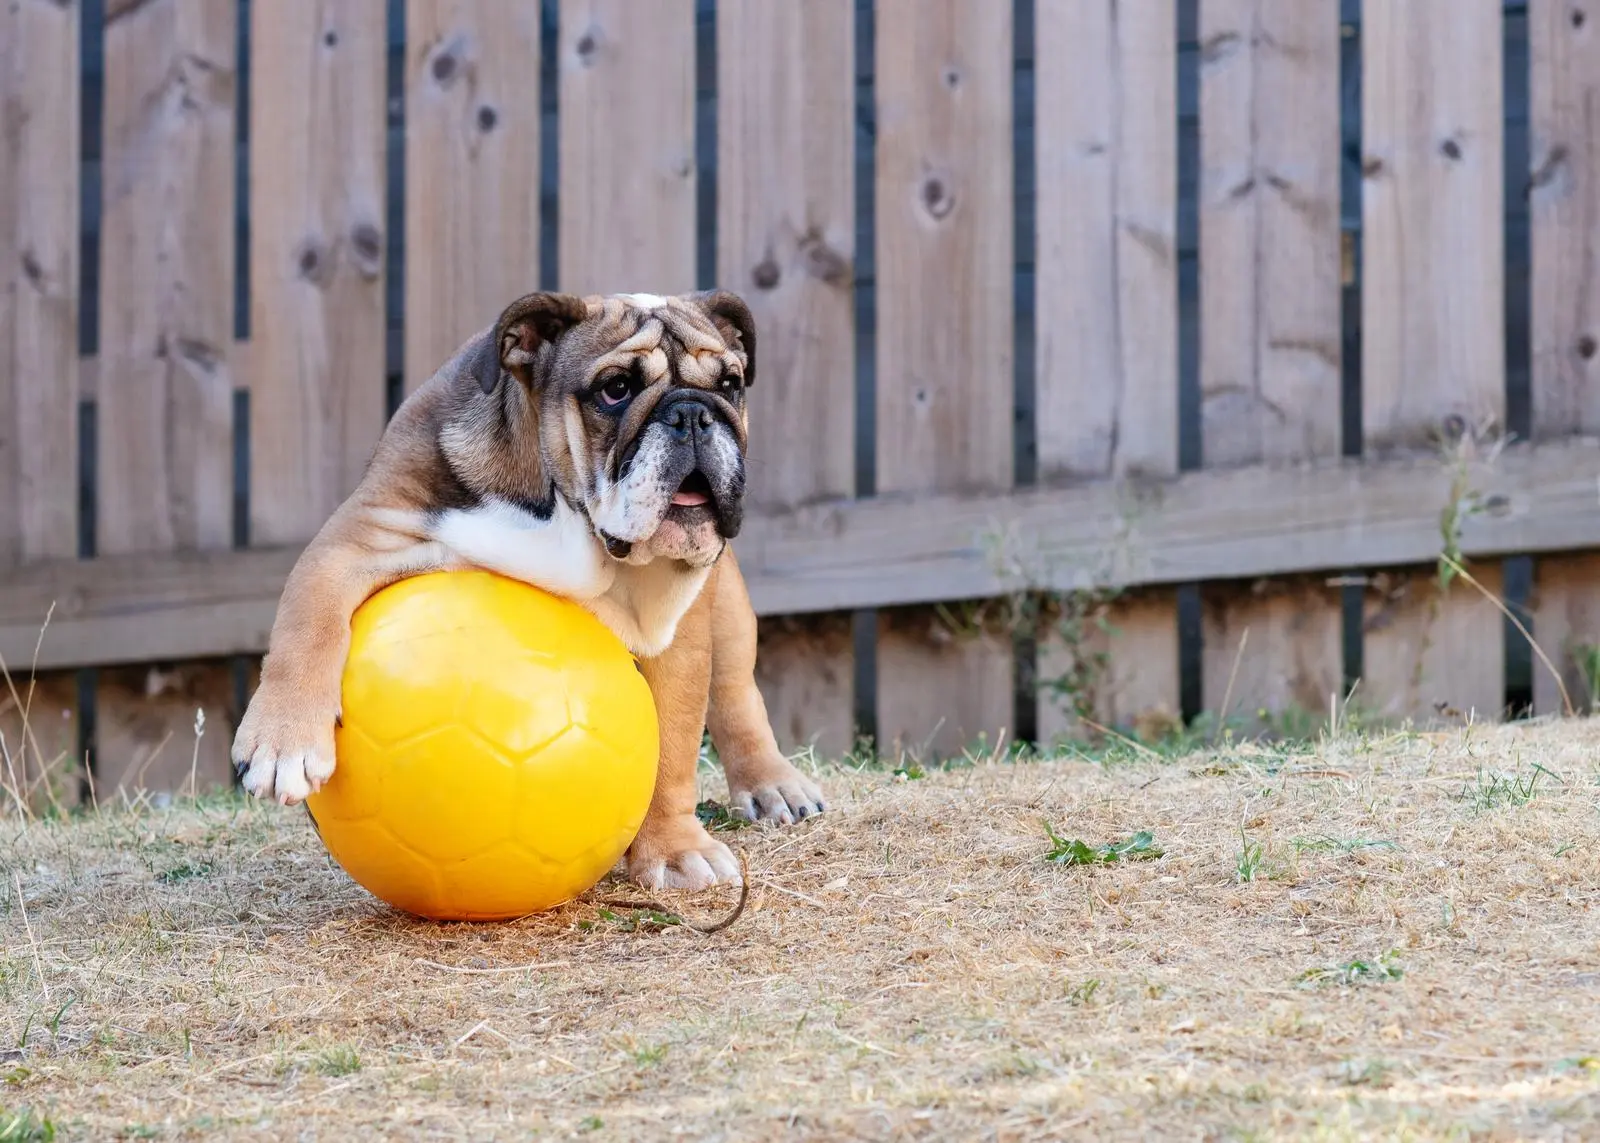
(688, 417)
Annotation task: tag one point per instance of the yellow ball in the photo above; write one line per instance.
(498, 749)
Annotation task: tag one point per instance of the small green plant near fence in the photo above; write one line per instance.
(1586, 656)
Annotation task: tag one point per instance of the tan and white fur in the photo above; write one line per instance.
(593, 447)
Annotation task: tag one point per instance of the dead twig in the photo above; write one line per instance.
(700, 927)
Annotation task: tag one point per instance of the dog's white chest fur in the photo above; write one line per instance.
(560, 555)
(563, 556)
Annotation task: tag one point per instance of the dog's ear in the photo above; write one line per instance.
(729, 313)
(526, 324)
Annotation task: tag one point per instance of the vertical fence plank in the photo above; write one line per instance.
(316, 258)
(627, 180)
(1107, 403)
(945, 328)
(39, 95)
(1433, 336)
(165, 390)
(786, 243)
(472, 171)
(1564, 191)
(1270, 336)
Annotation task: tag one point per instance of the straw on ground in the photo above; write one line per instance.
(1413, 954)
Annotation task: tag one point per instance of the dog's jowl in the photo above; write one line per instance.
(593, 447)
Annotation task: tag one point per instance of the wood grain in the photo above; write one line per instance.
(1564, 204)
(166, 381)
(1433, 656)
(786, 243)
(39, 387)
(1433, 291)
(1107, 349)
(472, 172)
(1566, 625)
(316, 259)
(804, 668)
(899, 550)
(1433, 304)
(945, 325)
(627, 180)
(1270, 340)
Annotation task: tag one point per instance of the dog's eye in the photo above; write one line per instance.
(616, 389)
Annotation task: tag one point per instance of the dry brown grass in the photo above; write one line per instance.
(910, 967)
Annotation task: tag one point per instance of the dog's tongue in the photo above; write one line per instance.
(682, 499)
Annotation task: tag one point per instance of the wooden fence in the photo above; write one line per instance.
(1123, 359)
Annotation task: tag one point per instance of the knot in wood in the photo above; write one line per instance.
(587, 46)
(488, 118)
(312, 263)
(936, 197)
(952, 78)
(1588, 347)
(1579, 17)
(766, 274)
(1451, 149)
(822, 261)
(366, 241)
(444, 67)
(330, 38)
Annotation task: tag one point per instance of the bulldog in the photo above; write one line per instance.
(595, 448)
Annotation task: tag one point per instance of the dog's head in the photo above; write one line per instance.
(640, 404)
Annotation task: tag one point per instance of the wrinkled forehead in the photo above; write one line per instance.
(657, 336)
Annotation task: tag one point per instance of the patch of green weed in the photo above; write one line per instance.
(1381, 971)
(633, 921)
(339, 1060)
(1326, 844)
(1070, 851)
(651, 1056)
(24, 1126)
(1083, 994)
(1251, 858)
(184, 872)
(1492, 790)
(718, 818)
(1365, 1072)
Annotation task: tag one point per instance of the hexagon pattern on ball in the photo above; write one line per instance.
(497, 753)
(431, 818)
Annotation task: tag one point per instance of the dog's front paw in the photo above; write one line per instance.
(284, 748)
(774, 791)
(678, 853)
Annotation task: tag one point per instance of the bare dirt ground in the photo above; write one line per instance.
(1392, 937)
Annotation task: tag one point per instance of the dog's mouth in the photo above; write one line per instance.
(694, 492)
